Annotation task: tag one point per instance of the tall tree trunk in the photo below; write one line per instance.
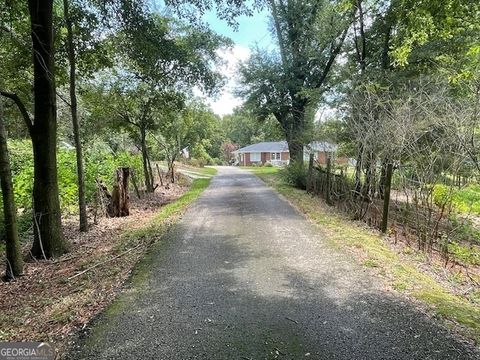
(278, 31)
(13, 249)
(295, 140)
(82, 204)
(295, 148)
(146, 171)
(150, 171)
(48, 236)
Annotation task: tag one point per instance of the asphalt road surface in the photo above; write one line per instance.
(245, 276)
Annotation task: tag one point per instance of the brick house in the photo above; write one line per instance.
(277, 154)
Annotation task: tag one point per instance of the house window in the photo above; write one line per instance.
(255, 156)
(275, 156)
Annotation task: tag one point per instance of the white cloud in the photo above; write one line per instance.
(226, 101)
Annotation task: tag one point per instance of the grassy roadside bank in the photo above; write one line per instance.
(58, 298)
(373, 251)
(167, 215)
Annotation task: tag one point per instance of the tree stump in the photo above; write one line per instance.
(116, 203)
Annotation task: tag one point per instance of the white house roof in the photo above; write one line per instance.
(282, 146)
(271, 146)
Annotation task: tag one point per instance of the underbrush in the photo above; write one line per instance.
(99, 164)
(295, 174)
(464, 200)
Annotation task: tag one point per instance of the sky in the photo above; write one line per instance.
(251, 31)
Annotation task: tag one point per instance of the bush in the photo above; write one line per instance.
(465, 254)
(217, 161)
(295, 174)
(463, 200)
(99, 164)
(197, 162)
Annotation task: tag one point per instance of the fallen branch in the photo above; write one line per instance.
(104, 262)
(292, 320)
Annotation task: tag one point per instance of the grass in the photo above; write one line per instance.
(262, 170)
(373, 252)
(207, 170)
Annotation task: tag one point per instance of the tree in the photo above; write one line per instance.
(227, 151)
(49, 241)
(14, 251)
(82, 205)
(242, 128)
(163, 59)
(187, 128)
(48, 236)
(289, 82)
(136, 107)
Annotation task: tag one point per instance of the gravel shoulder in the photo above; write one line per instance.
(244, 276)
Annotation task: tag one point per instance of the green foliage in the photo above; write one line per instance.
(288, 82)
(295, 174)
(100, 164)
(465, 200)
(242, 128)
(465, 254)
(200, 154)
(193, 127)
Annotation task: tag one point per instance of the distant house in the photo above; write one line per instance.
(277, 154)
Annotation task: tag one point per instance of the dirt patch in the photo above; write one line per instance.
(48, 303)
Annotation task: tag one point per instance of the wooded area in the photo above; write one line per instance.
(110, 77)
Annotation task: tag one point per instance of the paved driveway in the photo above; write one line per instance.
(244, 276)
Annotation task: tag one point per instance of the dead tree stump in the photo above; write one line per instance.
(117, 203)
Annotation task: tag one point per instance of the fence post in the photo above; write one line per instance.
(310, 173)
(386, 198)
(329, 180)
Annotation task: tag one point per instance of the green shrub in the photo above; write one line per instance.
(465, 230)
(24, 222)
(200, 154)
(217, 161)
(197, 162)
(466, 254)
(295, 174)
(99, 164)
(464, 200)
